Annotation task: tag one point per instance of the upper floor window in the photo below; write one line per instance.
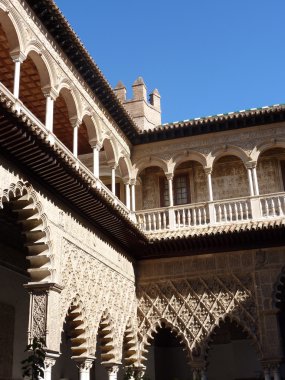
(181, 190)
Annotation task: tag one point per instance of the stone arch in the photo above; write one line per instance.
(13, 30)
(70, 100)
(24, 203)
(205, 345)
(146, 339)
(105, 335)
(143, 163)
(130, 345)
(264, 146)
(42, 63)
(228, 150)
(92, 125)
(189, 155)
(125, 167)
(77, 328)
(110, 150)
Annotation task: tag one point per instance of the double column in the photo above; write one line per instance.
(75, 123)
(96, 147)
(271, 370)
(198, 370)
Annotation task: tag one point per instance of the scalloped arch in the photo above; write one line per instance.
(105, 336)
(145, 342)
(130, 345)
(35, 227)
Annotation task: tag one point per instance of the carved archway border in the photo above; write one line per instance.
(105, 336)
(34, 223)
(205, 346)
(130, 345)
(145, 340)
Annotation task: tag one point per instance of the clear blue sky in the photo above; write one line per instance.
(204, 56)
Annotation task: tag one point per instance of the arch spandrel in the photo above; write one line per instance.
(228, 150)
(195, 306)
(148, 162)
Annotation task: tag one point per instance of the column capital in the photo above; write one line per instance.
(112, 368)
(84, 363)
(126, 180)
(75, 122)
(18, 56)
(169, 176)
(43, 287)
(133, 181)
(251, 164)
(50, 91)
(113, 164)
(208, 170)
(95, 144)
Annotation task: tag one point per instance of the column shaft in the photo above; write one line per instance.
(170, 190)
(75, 141)
(249, 174)
(96, 161)
(133, 191)
(49, 113)
(210, 188)
(255, 181)
(17, 73)
(128, 195)
(114, 180)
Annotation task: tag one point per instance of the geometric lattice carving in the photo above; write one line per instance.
(24, 203)
(108, 299)
(195, 306)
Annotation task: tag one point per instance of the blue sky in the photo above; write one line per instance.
(205, 56)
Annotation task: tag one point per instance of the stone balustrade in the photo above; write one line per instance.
(237, 210)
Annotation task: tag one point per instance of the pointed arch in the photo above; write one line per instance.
(105, 336)
(205, 345)
(130, 345)
(24, 203)
(77, 328)
(149, 336)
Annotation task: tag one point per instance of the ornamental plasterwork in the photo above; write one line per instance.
(37, 33)
(100, 289)
(195, 306)
(202, 144)
(39, 315)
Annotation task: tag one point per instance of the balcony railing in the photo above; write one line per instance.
(212, 213)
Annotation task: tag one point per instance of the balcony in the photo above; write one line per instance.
(212, 214)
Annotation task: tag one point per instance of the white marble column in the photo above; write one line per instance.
(249, 174)
(133, 195)
(276, 373)
(49, 363)
(114, 166)
(75, 123)
(49, 113)
(266, 373)
(128, 194)
(255, 180)
(84, 366)
(96, 159)
(208, 172)
(112, 371)
(18, 59)
(169, 177)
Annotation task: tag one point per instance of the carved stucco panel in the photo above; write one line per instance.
(100, 288)
(195, 306)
